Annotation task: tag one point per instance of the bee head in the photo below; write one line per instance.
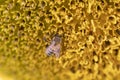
(57, 39)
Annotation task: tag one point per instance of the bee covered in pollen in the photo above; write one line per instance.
(54, 47)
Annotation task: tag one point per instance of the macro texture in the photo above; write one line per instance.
(90, 33)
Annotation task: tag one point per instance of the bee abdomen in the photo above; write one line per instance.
(49, 51)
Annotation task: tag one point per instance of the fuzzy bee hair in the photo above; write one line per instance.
(54, 47)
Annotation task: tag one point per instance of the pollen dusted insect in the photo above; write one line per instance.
(54, 47)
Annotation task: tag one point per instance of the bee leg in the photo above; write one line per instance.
(57, 55)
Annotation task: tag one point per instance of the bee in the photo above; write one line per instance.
(54, 47)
